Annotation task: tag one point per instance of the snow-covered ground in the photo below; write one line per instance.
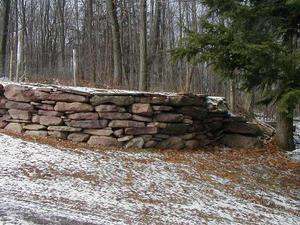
(40, 184)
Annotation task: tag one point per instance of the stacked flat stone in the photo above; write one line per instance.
(119, 119)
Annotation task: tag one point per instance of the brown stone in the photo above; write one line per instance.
(38, 133)
(49, 113)
(141, 130)
(141, 118)
(19, 105)
(107, 108)
(78, 137)
(64, 129)
(45, 107)
(125, 123)
(88, 124)
(114, 99)
(150, 144)
(163, 108)
(73, 107)
(169, 117)
(66, 97)
(115, 116)
(35, 119)
(19, 114)
(188, 136)
(157, 124)
(103, 141)
(14, 127)
(102, 132)
(142, 109)
(19, 93)
(3, 124)
(50, 120)
(34, 127)
(84, 116)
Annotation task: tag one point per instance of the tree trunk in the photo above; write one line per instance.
(285, 132)
(117, 55)
(143, 73)
(4, 37)
(232, 95)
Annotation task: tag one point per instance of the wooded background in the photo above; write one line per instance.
(110, 43)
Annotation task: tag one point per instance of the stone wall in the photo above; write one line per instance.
(122, 118)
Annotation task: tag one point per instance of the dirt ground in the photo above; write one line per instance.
(43, 181)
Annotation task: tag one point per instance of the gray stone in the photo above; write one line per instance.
(125, 138)
(241, 141)
(135, 143)
(119, 132)
(115, 116)
(141, 130)
(163, 108)
(141, 118)
(3, 103)
(150, 144)
(186, 100)
(64, 129)
(78, 137)
(117, 100)
(58, 134)
(192, 144)
(50, 120)
(45, 107)
(102, 132)
(244, 128)
(19, 93)
(173, 143)
(197, 113)
(142, 109)
(88, 124)
(98, 141)
(73, 107)
(14, 127)
(84, 116)
(169, 117)
(37, 133)
(34, 127)
(175, 129)
(19, 114)
(19, 105)
(188, 136)
(125, 124)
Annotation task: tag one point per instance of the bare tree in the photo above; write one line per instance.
(3, 52)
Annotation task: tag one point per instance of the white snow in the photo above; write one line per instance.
(40, 184)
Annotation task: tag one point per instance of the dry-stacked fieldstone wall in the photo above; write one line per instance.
(122, 118)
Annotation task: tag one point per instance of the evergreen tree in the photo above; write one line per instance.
(256, 42)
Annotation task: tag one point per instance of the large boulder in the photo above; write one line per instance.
(243, 128)
(117, 100)
(73, 107)
(241, 141)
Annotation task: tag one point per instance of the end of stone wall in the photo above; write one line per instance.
(123, 118)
